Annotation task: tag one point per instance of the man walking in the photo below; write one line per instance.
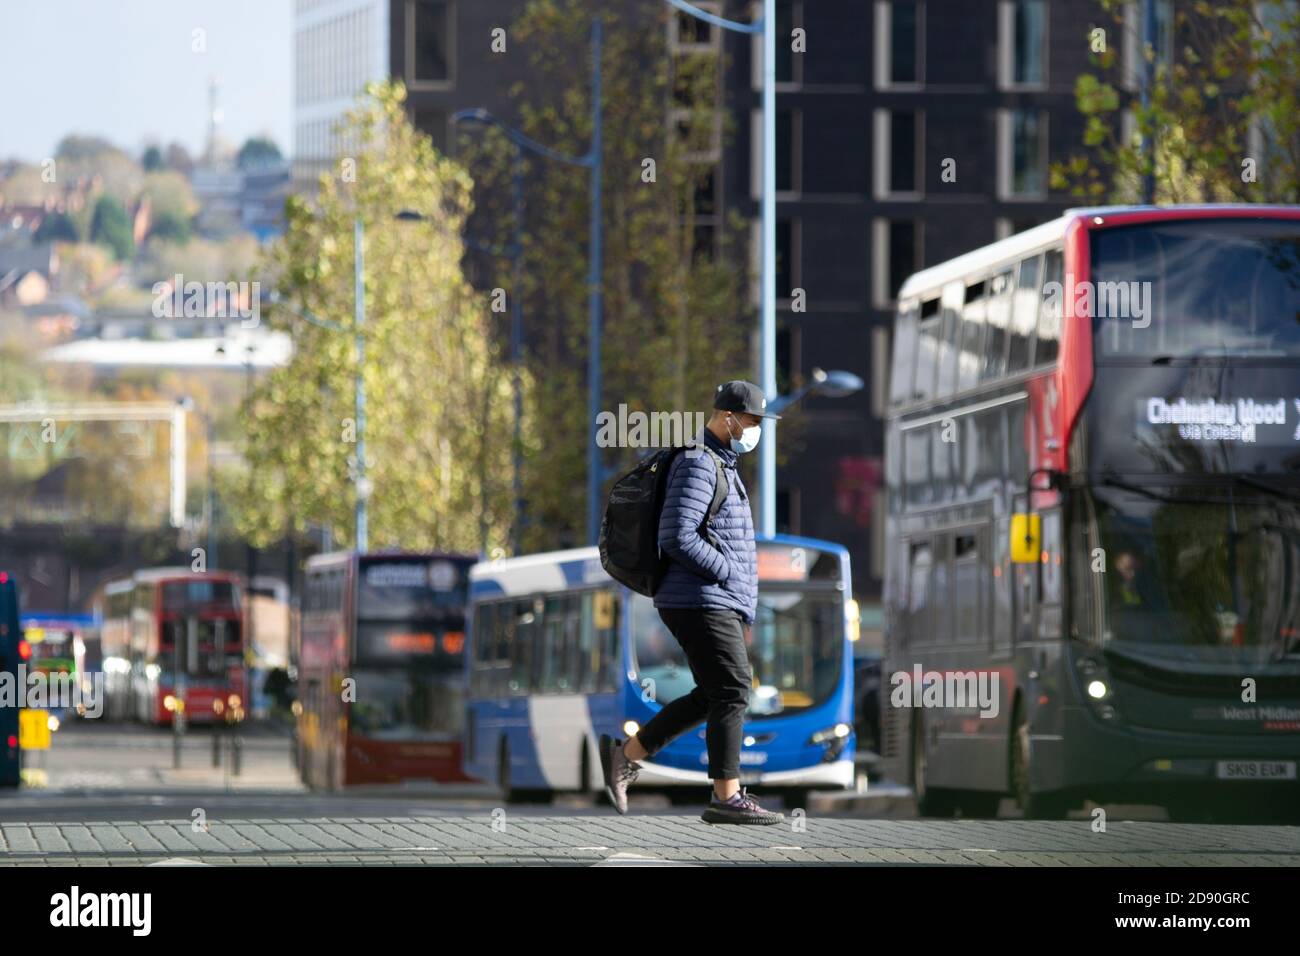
(707, 600)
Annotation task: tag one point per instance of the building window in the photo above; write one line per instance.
(1134, 40)
(898, 148)
(899, 45)
(1022, 44)
(896, 254)
(789, 65)
(789, 153)
(430, 26)
(1022, 154)
(433, 123)
(699, 132)
(880, 358)
(690, 34)
(787, 257)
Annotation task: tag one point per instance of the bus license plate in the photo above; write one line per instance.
(1256, 770)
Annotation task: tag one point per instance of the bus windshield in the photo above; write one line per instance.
(1194, 288)
(401, 704)
(796, 649)
(1213, 579)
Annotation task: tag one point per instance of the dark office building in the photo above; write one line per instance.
(909, 131)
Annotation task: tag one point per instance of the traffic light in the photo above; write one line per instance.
(11, 648)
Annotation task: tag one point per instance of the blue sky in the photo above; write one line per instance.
(126, 70)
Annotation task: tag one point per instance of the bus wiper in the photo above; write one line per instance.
(1276, 490)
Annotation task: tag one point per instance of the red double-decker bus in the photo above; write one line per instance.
(380, 651)
(1093, 470)
(170, 634)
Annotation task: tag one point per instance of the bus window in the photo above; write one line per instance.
(485, 617)
(950, 339)
(1049, 316)
(971, 360)
(941, 453)
(598, 651)
(904, 363)
(998, 319)
(1002, 570)
(1052, 558)
(559, 645)
(521, 646)
(1018, 444)
(918, 593)
(1024, 315)
(941, 593)
(927, 351)
(968, 587)
(916, 467)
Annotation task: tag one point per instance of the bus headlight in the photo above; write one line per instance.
(53, 723)
(1098, 690)
(169, 703)
(831, 734)
(833, 739)
(630, 727)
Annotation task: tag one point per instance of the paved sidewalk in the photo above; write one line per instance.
(521, 838)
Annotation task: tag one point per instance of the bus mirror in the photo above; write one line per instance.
(1026, 538)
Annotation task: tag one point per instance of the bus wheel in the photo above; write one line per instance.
(795, 798)
(929, 802)
(979, 804)
(1034, 806)
(503, 773)
(585, 789)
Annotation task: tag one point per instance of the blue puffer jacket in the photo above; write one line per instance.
(722, 573)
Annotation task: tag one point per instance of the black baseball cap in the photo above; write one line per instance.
(741, 396)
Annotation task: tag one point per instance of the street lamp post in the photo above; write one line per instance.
(835, 384)
(591, 160)
(767, 317)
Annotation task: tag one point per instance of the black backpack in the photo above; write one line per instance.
(629, 533)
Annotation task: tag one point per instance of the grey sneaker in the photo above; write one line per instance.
(620, 773)
(741, 808)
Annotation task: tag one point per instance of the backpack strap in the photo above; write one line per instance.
(720, 489)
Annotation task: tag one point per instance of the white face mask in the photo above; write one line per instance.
(748, 439)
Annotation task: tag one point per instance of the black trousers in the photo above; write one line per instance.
(714, 642)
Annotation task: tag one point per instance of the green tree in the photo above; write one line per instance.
(677, 317)
(152, 160)
(258, 151)
(439, 414)
(1224, 111)
(172, 203)
(56, 227)
(111, 227)
(171, 227)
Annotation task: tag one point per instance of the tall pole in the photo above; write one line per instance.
(594, 300)
(362, 491)
(767, 324)
(516, 348)
(210, 559)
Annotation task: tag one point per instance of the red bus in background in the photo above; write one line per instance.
(162, 624)
(381, 680)
(1093, 483)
